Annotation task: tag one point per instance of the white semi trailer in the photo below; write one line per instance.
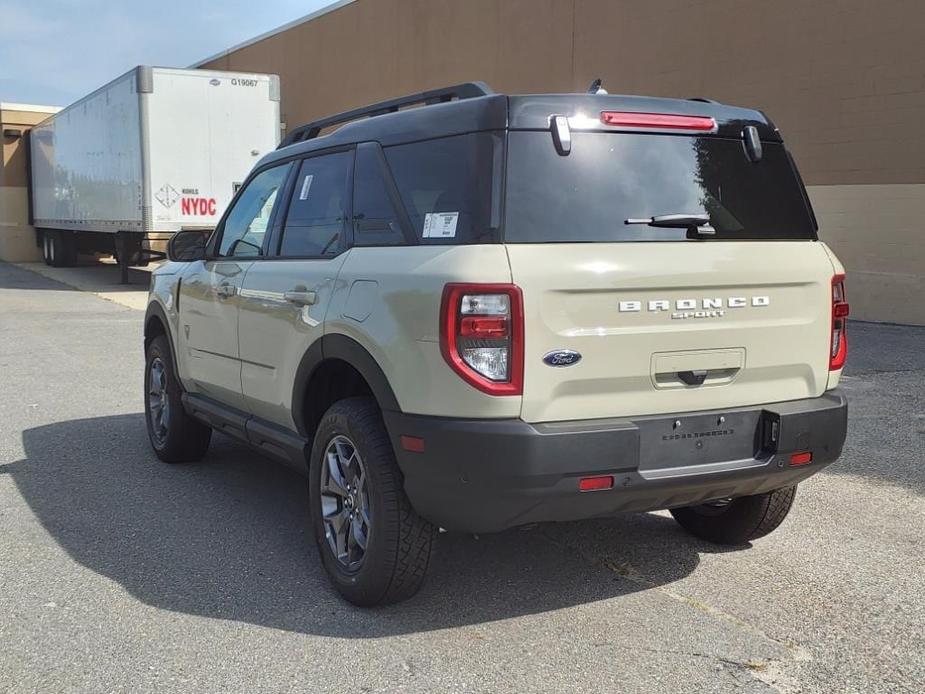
(154, 151)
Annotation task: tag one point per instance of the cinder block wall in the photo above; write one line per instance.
(843, 79)
(17, 237)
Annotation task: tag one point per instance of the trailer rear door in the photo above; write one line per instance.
(206, 131)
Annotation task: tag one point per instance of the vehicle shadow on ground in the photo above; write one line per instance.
(227, 539)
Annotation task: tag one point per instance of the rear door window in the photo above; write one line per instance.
(611, 177)
(447, 187)
(316, 220)
(376, 219)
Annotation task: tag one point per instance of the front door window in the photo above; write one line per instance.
(248, 221)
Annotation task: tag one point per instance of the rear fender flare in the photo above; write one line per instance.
(335, 346)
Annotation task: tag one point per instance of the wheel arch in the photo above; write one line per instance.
(332, 353)
(156, 323)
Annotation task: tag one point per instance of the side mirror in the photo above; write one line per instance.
(187, 246)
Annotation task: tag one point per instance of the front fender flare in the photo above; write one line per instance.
(155, 310)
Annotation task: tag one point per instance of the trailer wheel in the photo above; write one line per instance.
(129, 252)
(70, 249)
(59, 249)
(139, 259)
(135, 259)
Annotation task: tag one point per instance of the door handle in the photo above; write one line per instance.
(300, 298)
(225, 290)
(694, 377)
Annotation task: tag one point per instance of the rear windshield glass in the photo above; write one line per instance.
(611, 177)
(446, 186)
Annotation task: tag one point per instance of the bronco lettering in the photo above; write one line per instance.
(689, 307)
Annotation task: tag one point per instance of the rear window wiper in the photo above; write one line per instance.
(700, 223)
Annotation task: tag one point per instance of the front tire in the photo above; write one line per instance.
(737, 521)
(373, 545)
(175, 436)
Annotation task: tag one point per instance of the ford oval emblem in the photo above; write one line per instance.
(562, 357)
(215, 82)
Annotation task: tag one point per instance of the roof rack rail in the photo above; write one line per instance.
(703, 99)
(466, 90)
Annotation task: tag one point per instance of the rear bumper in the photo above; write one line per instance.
(488, 475)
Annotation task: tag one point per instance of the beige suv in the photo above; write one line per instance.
(494, 310)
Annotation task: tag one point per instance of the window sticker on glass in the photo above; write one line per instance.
(440, 225)
(306, 185)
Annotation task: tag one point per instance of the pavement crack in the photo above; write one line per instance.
(752, 665)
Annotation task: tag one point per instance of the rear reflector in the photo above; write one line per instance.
(590, 484)
(414, 444)
(801, 458)
(658, 120)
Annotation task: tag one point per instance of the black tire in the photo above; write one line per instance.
(136, 258)
(738, 521)
(46, 248)
(182, 439)
(60, 249)
(70, 249)
(134, 250)
(399, 542)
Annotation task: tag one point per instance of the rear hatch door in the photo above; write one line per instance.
(627, 319)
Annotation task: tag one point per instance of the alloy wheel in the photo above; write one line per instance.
(345, 502)
(158, 402)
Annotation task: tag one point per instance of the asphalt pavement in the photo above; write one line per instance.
(122, 574)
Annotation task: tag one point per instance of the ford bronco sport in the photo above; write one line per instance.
(494, 310)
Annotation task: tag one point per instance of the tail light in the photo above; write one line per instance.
(839, 351)
(482, 335)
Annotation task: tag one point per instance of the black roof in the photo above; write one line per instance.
(474, 107)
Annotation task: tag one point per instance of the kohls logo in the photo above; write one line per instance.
(202, 207)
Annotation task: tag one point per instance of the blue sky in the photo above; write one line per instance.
(55, 51)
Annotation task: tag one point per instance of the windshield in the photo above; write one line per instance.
(612, 177)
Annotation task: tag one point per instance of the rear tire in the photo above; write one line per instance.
(175, 436)
(356, 498)
(739, 520)
(59, 249)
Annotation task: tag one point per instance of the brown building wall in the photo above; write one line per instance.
(17, 238)
(843, 79)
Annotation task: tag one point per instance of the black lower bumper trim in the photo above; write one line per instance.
(488, 475)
